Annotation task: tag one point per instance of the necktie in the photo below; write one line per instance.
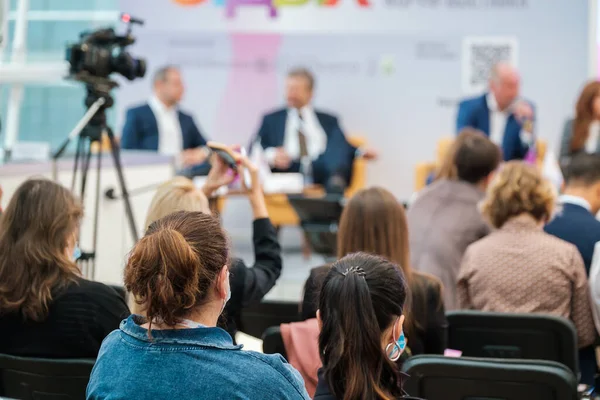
(302, 139)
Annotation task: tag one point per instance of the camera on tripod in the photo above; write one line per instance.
(92, 60)
(102, 52)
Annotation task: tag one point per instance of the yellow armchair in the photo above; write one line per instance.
(282, 213)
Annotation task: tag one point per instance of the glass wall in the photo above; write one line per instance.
(50, 111)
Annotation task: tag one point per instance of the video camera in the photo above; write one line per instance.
(100, 53)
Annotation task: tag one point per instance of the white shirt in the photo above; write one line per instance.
(170, 141)
(575, 200)
(316, 138)
(594, 282)
(591, 145)
(498, 123)
(497, 120)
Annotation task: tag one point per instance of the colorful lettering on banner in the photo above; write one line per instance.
(279, 3)
(231, 5)
(272, 5)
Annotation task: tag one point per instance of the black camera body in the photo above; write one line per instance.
(102, 52)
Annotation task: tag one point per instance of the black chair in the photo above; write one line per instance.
(520, 336)
(273, 342)
(44, 379)
(446, 378)
(120, 290)
(257, 318)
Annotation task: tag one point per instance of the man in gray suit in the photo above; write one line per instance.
(444, 219)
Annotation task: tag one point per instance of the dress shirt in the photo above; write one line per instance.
(170, 140)
(497, 120)
(595, 285)
(591, 145)
(316, 138)
(576, 200)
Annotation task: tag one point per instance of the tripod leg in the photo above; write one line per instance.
(85, 168)
(78, 152)
(117, 161)
(96, 210)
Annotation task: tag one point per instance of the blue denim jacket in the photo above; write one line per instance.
(200, 363)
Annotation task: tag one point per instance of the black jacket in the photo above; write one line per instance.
(250, 284)
(428, 310)
(79, 318)
(323, 392)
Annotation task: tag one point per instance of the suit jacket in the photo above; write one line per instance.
(431, 330)
(474, 113)
(443, 221)
(141, 130)
(577, 225)
(338, 155)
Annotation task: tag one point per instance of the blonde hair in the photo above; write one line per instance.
(178, 194)
(517, 189)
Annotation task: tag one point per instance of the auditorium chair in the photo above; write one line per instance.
(44, 379)
(446, 378)
(424, 169)
(256, 319)
(518, 336)
(273, 342)
(281, 212)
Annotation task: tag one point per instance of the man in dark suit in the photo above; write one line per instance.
(298, 134)
(576, 222)
(159, 125)
(505, 118)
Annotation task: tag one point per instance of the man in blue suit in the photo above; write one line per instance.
(300, 133)
(160, 126)
(577, 224)
(500, 114)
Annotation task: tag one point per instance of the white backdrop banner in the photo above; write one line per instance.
(392, 70)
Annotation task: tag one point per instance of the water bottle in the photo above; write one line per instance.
(306, 170)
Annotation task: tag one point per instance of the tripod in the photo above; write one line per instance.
(89, 131)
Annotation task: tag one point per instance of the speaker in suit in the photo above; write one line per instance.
(500, 114)
(337, 156)
(141, 130)
(475, 113)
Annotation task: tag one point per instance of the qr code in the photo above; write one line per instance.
(480, 54)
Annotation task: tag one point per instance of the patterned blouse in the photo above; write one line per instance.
(520, 268)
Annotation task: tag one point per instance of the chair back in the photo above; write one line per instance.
(44, 379)
(520, 336)
(255, 319)
(273, 342)
(446, 378)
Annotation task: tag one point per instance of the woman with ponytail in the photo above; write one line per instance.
(179, 272)
(361, 306)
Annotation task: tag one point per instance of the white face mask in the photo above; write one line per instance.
(228, 292)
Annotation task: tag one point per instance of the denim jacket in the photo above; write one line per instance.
(200, 363)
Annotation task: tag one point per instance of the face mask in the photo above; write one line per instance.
(395, 349)
(76, 252)
(228, 292)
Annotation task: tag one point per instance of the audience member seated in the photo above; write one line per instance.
(519, 267)
(361, 308)
(582, 134)
(248, 285)
(46, 308)
(299, 133)
(179, 272)
(444, 218)
(580, 202)
(501, 114)
(374, 221)
(159, 125)
(301, 342)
